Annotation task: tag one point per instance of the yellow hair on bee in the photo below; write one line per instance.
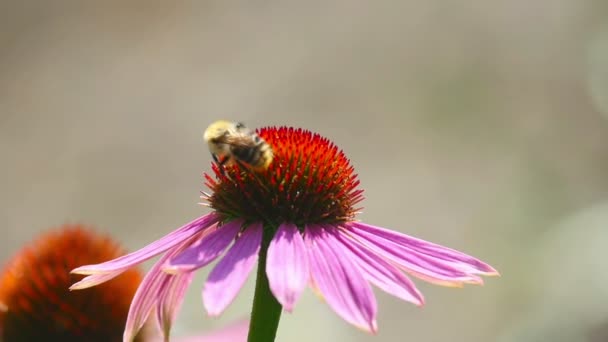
(231, 142)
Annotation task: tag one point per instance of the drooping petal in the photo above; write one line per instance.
(94, 279)
(420, 265)
(170, 301)
(146, 298)
(230, 273)
(340, 280)
(157, 247)
(287, 265)
(459, 259)
(154, 291)
(380, 272)
(208, 249)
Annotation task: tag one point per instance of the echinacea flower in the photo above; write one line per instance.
(36, 304)
(298, 218)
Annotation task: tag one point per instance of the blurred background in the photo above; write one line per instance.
(478, 125)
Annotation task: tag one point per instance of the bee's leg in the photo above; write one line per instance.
(250, 170)
(241, 165)
(220, 164)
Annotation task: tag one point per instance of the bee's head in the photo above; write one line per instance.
(217, 130)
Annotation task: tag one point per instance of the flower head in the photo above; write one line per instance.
(310, 181)
(36, 304)
(306, 200)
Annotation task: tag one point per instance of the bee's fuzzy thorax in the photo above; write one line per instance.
(308, 181)
(232, 143)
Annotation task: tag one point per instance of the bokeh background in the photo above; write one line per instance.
(481, 125)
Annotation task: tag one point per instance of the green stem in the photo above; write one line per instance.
(266, 311)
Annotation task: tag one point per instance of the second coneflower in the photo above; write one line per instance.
(298, 218)
(36, 305)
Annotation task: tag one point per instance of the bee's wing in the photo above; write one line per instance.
(237, 142)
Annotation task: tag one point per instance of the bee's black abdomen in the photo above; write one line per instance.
(247, 155)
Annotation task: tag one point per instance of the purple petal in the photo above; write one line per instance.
(170, 301)
(207, 250)
(95, 279)
(433, 270)
(340, 280)
(467, 262)
(146, 297)
(380, 272)
(230, 273)
(157, 247)
(287, 265)
(157, 289)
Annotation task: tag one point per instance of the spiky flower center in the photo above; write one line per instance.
(309, 181)
(37, 303)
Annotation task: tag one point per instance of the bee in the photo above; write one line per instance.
(232, 142)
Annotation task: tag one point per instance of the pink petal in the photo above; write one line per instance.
(157, 247)
(95, 279)
(146, 297)
(230, 273)
(170, 301)
(208, 249)
(340, 280)
(157, 289)
(467, 262)
(380, 272)
(287, 265)
(420, 265)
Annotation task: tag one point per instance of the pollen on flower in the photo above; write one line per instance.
(309, 181)
(36, 302)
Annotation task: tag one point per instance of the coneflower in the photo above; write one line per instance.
(298, 217)
(36, 304)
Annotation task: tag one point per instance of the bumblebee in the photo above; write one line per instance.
(232, 142)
